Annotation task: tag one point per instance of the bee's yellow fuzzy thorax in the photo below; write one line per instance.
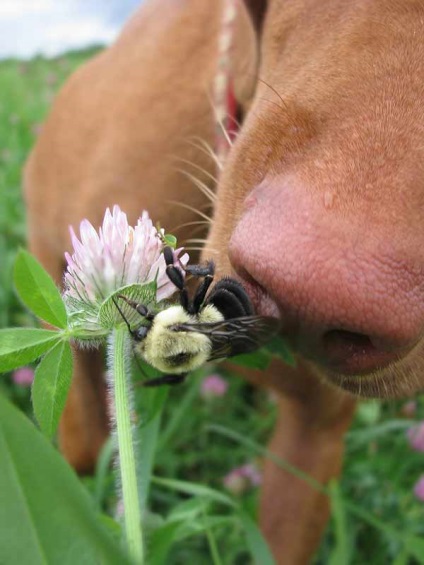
(177, 352)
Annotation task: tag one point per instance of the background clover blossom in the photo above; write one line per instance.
(112, 258)
(23, 376)
(415, 437)
(419, 488)
(213, 386)
(409, 409)
(243, 478)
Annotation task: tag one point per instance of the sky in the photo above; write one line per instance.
(49, 27)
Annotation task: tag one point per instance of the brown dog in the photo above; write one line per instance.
(318, 209)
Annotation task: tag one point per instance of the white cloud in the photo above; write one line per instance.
(29, 27)
(66, 35)
(16, 8)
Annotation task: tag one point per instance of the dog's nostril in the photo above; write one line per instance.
(346, 341)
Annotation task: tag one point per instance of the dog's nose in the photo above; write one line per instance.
(348, 298)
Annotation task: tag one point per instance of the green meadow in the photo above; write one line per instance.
(376, 517)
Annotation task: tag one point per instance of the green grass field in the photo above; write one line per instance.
(376, 514)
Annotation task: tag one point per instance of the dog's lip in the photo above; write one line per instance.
(358, 363)
(347, 354)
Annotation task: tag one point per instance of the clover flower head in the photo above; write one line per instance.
(116, 256)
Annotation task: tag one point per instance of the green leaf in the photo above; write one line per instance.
(415, 547)
(147, 436)
(340, 553)
(51, 386)
(102, 475)
(195, 489)
(412, 544)
(46, 516)
(256, 543)
(174, 530)
(167, 238)
(19, 346)
(38, 291)
(213, 547)
(369, 412)
(401, 559)
(161, 541)
(357, 438)
(279, 348)
(150, 401)
(257, 360)
(170, 240)
(180, 411)
(188, 510)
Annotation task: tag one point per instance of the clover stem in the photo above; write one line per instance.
(118, 355)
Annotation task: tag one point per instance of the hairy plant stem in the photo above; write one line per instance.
(127, 461)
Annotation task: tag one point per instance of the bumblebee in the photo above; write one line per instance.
(207, 327)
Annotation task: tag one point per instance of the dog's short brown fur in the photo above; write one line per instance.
(318, 210)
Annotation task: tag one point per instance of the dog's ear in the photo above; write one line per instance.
(257, 10)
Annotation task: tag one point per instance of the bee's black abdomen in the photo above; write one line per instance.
(230, 298)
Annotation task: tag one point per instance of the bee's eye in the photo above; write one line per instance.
(179, 359)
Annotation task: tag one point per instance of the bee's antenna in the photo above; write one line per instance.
(140, 308)
(132, 332)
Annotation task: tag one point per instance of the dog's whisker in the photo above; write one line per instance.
(192, 209)
(220, 118)
(198, 223)
(284, 103)
(197, 230)
(204, 146)
(198, 168)
(196, 240)
(200, 185)
(270, 102)
(193, 248)
(221, 125)
(237, 123)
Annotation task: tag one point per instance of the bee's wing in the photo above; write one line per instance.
(236, 335)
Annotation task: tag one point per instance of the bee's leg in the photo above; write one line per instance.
(165, 380)
(206, 271)
(175, 275)
(201, 270)
(202, 289)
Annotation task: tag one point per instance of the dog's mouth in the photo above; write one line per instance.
(357, 366)
(350, 353)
